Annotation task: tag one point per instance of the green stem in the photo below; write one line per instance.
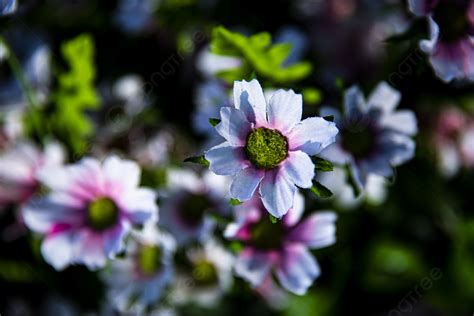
(25, 85)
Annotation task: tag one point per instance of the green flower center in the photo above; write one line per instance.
(193, 208)
(359, 143)
(149, 260)
(205, 273)
(266, 148)
(451, 16)
(102, 213)
(267, 235)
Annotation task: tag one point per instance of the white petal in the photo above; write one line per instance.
(59, 249)
(225, 159)
(284, 110)
(384, 97)
(234, 126)
(245, 183)
(249, 98)
(299, 169)
(124, 172)
(312, 135)
(298, 270)
(277, 193)
(403, 121)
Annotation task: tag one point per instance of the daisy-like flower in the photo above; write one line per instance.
(268, 146)
(280, 247)
(135, 16)
(136, 282)
(89, 211)
(8, 6)
(451, 43)
(373, 137)
(190, 202)
(20, 166)
(208, 276)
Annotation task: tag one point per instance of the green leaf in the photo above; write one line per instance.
(311, 96)
(234, 202)
(352, 182)
(214, 121)
(258, 55)
(76, 94)
(329, 118)
(322, 164)
(320, 190)
(200, 160)
(273, 219)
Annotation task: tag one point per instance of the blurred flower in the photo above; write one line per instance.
(273, 294)
(343, 193)
(453, 140)
(89, 211)
(282, 246)
(20, 166)
(11, 127)
(270, 153)
(153, 152)
(210, 97)
(373, 137)
(191, 203)
(210, 275)
(34, 56)
(136, 282)
(8, 6)
(129, 90)
(134, 16)
(451, 43)
(210, 64)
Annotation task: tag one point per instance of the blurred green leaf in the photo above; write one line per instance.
(259, 55)
(16, 271)
(311, 96)
(214, 121)
(76, 94)
(234, 202)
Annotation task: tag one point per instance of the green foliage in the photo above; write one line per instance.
(311, 96)
(259, 55)
(76, 94)
(320, 190)
(323, 165)
(200, 160)
(234, 202)
(393, 266)
(214, 121)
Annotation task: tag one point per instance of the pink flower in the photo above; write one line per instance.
(451, 43)
(19, 167)
(268, 146)
(282, 246)
(89, 211)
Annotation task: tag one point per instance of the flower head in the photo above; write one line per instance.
(190, 203)
(451, 43)
(89, 210)
(137, 281)
(268, 146)
(207, 276)
(282, 246)
(373, 136)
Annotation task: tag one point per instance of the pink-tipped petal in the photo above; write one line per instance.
(245, 183)
(249, 98)
(277, 193)
(225, 159)
(121, 172)
(316, 231)
(284, 110)
(312, 135)
(299, 169)
(297, 269)
(234, 126)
